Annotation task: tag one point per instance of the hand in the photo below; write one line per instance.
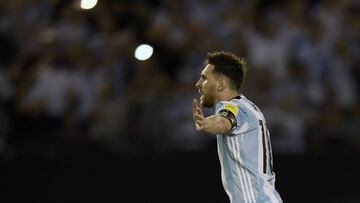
(198, 116)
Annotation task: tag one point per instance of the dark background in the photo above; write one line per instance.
(81, 120)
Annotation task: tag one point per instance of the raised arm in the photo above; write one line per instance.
(215, 124)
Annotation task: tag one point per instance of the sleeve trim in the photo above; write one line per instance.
(230, 116)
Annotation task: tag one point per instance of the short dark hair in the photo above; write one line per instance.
(230, 65)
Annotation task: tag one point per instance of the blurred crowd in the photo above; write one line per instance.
(68, 77)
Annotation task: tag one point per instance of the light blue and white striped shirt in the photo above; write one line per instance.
(245, 155)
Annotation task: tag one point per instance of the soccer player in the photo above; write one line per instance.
(243, 139)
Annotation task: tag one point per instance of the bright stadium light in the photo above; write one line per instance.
(88, 4)
(143, 52)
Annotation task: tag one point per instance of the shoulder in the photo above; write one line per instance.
(231, 106)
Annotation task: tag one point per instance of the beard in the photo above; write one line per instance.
(207, 100)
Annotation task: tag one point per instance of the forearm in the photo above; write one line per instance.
(216, 125)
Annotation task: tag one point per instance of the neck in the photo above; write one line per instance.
(228, 95)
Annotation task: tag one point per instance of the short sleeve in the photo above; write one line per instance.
(230, 111)
(227, 105)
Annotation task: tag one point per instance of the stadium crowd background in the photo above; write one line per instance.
(82, 120)
(69, 78)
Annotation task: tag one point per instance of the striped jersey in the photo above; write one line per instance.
(245, 155)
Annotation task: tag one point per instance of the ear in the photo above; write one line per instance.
(221, 85)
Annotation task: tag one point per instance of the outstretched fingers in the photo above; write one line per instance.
(198, 116)
(196, 107)
(199, 125)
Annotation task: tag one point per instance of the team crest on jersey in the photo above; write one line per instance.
(232, 108)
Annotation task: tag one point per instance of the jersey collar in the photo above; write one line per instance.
(237, 97)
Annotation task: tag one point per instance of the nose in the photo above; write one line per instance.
(197, 85)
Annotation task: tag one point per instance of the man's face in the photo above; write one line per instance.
(207, 87)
